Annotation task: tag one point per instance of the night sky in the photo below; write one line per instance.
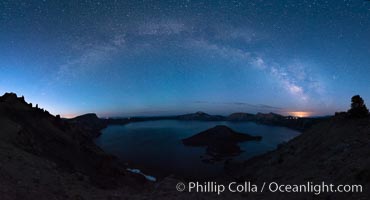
(137, 58)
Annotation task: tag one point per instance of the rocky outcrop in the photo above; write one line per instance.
(91, 123)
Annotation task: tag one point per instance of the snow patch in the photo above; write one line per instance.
(147, 177)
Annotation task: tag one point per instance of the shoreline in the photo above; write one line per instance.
(161, 173)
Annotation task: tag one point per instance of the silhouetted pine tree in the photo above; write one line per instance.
(358, 107)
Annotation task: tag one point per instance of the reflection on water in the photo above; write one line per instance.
(156, 148)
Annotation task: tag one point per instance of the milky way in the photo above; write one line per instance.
(125, 58)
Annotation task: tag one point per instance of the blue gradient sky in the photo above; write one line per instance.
(125, 58)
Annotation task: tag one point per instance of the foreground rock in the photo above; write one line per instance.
(220, 141)
(335, 151)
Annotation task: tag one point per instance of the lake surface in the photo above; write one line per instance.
(155, 146)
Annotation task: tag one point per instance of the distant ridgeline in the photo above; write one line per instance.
(92, 122)
(358, 110)
(268, 119)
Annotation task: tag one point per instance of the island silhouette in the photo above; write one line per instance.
(221, 141)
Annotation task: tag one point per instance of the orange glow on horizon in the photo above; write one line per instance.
(300, 113)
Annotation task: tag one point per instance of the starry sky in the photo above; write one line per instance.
(141, 58)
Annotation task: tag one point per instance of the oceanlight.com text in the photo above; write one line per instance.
(274, 187)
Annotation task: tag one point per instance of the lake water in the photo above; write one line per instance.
(155, 146)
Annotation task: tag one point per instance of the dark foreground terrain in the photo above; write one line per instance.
(45, 157)
(336, 151)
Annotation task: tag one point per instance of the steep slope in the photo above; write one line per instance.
(44, 157)
(336, 151)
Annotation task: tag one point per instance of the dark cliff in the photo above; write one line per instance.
(43, 155)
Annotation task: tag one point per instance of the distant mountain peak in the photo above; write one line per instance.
(200, 116)
(88, 115)
(201, 113)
